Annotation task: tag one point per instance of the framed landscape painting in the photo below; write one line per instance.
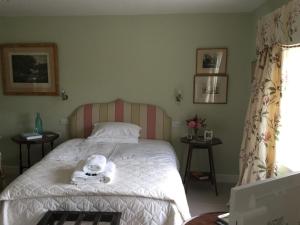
(211, 60)
(29, 69)
(210, 89)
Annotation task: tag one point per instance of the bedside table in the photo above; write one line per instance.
(200, 143)
(48, 137)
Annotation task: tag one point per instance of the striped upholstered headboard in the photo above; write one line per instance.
(155, 123)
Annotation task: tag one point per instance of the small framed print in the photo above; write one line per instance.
(208, 135)
(211, 60)
(210, 89)
(29, 69)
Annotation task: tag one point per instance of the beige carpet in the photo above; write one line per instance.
(202, 198)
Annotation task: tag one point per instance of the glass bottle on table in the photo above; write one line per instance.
(38, 127)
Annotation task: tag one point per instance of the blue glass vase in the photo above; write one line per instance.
(38, 127)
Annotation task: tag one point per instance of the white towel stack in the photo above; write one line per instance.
(94, 170)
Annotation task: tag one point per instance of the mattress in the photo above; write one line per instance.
(147, 187)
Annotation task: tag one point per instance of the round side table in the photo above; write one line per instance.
(48, 137)
(200, 143)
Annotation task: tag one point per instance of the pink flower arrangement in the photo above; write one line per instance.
(267, 136)
(196, 122)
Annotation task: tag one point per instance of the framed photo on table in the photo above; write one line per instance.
(208, 135)
(29, 69)
(210, 88)
(211, 60)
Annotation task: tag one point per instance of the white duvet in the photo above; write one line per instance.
(147, 187)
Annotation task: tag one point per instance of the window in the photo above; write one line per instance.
(287, 145)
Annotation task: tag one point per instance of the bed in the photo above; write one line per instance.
(147, 188)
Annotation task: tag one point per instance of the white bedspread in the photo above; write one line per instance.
(147, 187)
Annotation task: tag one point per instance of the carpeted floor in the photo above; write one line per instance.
(202, 198)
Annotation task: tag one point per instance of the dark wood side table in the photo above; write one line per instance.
(200, 143)
(205, 219)
(48, 137)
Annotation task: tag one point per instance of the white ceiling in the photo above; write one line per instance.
(122, 7)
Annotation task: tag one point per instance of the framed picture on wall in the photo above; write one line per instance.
(211, 60)
(210, 89)
(29, 69)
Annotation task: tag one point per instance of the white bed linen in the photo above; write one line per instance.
(147, 187)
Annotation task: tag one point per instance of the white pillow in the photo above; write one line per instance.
(116, 132)
(132, 140)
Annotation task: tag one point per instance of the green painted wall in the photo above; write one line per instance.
(140, 59)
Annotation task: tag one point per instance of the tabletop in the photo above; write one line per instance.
(48, 136)
(201, 141)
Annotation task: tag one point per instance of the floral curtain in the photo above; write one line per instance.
(258, 149)
(258, 146)
(281, 27)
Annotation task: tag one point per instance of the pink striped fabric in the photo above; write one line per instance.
(88, 126)
(155, 123)
(151, 121)
(119, 111)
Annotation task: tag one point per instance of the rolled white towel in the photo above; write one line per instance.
(109, 173)
(95, 164)
(79, 177)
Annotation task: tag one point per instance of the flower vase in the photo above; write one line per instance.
(195, 133)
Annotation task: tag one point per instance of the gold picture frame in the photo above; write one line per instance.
(210, 89)
(211, 60)
(29, 69)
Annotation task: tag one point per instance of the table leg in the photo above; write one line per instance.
(213, 173)
(188, 167)
(20, 159)
(211, 177)
(43, 149)
(28, 155)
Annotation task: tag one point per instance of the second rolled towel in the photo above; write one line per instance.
(95, 164)
(109, 172)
